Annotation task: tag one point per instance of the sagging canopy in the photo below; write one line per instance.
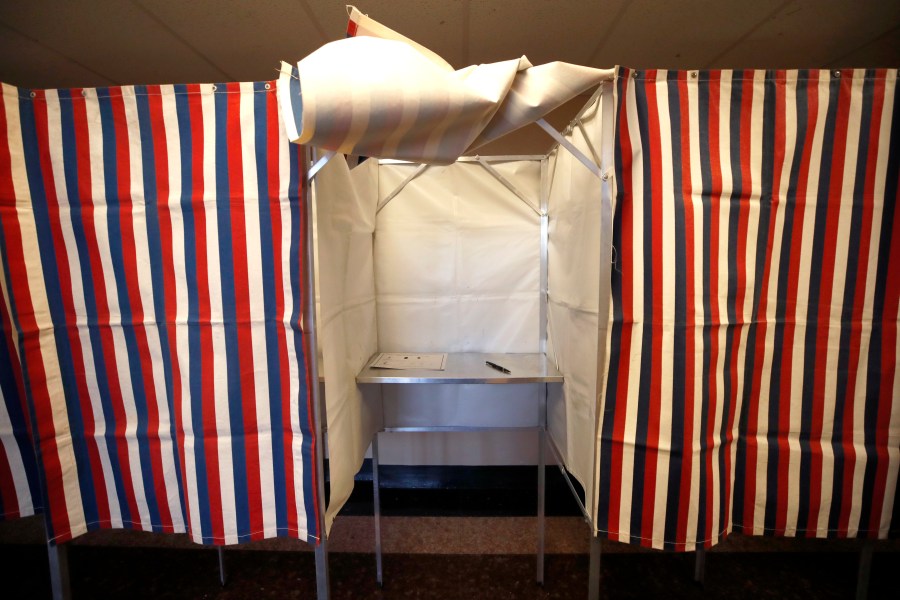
(377, 93)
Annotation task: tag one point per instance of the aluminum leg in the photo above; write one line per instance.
(376, 502)
(59, 571)
(700, 565)
(865, 569)
(594, 569)
(541, 503)
(323, 585)
(221, 565)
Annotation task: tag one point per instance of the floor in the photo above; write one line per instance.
(466, 558)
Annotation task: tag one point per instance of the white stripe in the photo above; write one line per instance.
(878, 199)
(33, 272)
(182, 345)
(150, 322)
(294, 384)
(832, 349)
(699, 317)
(129, 384)
(634, 359)
(220, 365)
(668, 313)
(893, 441)
(793, 436)
(78, 295)
(10, 447)
(257, 309)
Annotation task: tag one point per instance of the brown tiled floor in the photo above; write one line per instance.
(466, 558)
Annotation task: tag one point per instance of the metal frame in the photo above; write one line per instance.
(323, 583)
(366, 378)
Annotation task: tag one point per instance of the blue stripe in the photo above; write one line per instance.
(854, 260)
(154, 243)
(874, 393)
(703, 109)
(260, 104)
(645, 380)
(195, 367)
(605, 492)
(114, 225)
(296, 98)
(58, 315)
(229, 317)
(681, 203)
(14, 403)
(41, 496)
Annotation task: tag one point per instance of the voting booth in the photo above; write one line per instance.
(707, 261)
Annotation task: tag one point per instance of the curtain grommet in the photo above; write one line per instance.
(213, 88)
(836, 74)
(268, 86)
(33, 95)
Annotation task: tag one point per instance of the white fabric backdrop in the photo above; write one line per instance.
(457, 259)
(573, 280)
(345, 221)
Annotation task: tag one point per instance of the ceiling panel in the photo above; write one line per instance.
(543, 31)
(814, 33)
(116, 39)
(438, 25)
(245, 40)
(881, 52)
(679, 33)
(35, 65)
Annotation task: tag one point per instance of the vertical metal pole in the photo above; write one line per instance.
(542, 485)
(700, 565)
(59, 571)
(865, 569)
(542, 406)
(221, 565)
(594, 569)
(376, 505)
(309, 329)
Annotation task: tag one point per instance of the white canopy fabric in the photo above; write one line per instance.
(379, 94)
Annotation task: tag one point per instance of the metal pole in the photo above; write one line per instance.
(221, 565)
(376, 502)
(700, 565)
(542, 485)
(59, 571)
(594, 569)
(865, 569)
(309, 330)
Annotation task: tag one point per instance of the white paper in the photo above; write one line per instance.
(404, 360)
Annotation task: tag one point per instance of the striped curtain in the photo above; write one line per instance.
(19, 488)
(151, 250)
(753, 353)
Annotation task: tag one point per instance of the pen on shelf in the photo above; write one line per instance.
(496, 366)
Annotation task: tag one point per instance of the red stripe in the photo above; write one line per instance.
(827, 267)
(886, 400)
(684, 502)
(161, 169)
(30, 349)
(784, 408)
(66, 292)
(242, 306)
(790, 317)
(656, 351)
(207, 377)
(621, 400)
(307, 351)
(714, 318)
(132, 288)
(352, 27)
(276, 145)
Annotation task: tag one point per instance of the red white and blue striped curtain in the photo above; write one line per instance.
(152, 244)
(19, 488)
(753, 353)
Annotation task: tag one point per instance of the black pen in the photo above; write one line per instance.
(496, 366)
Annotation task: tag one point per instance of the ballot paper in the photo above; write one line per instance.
(402, 360)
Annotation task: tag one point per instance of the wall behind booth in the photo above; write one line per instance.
(457, 259)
